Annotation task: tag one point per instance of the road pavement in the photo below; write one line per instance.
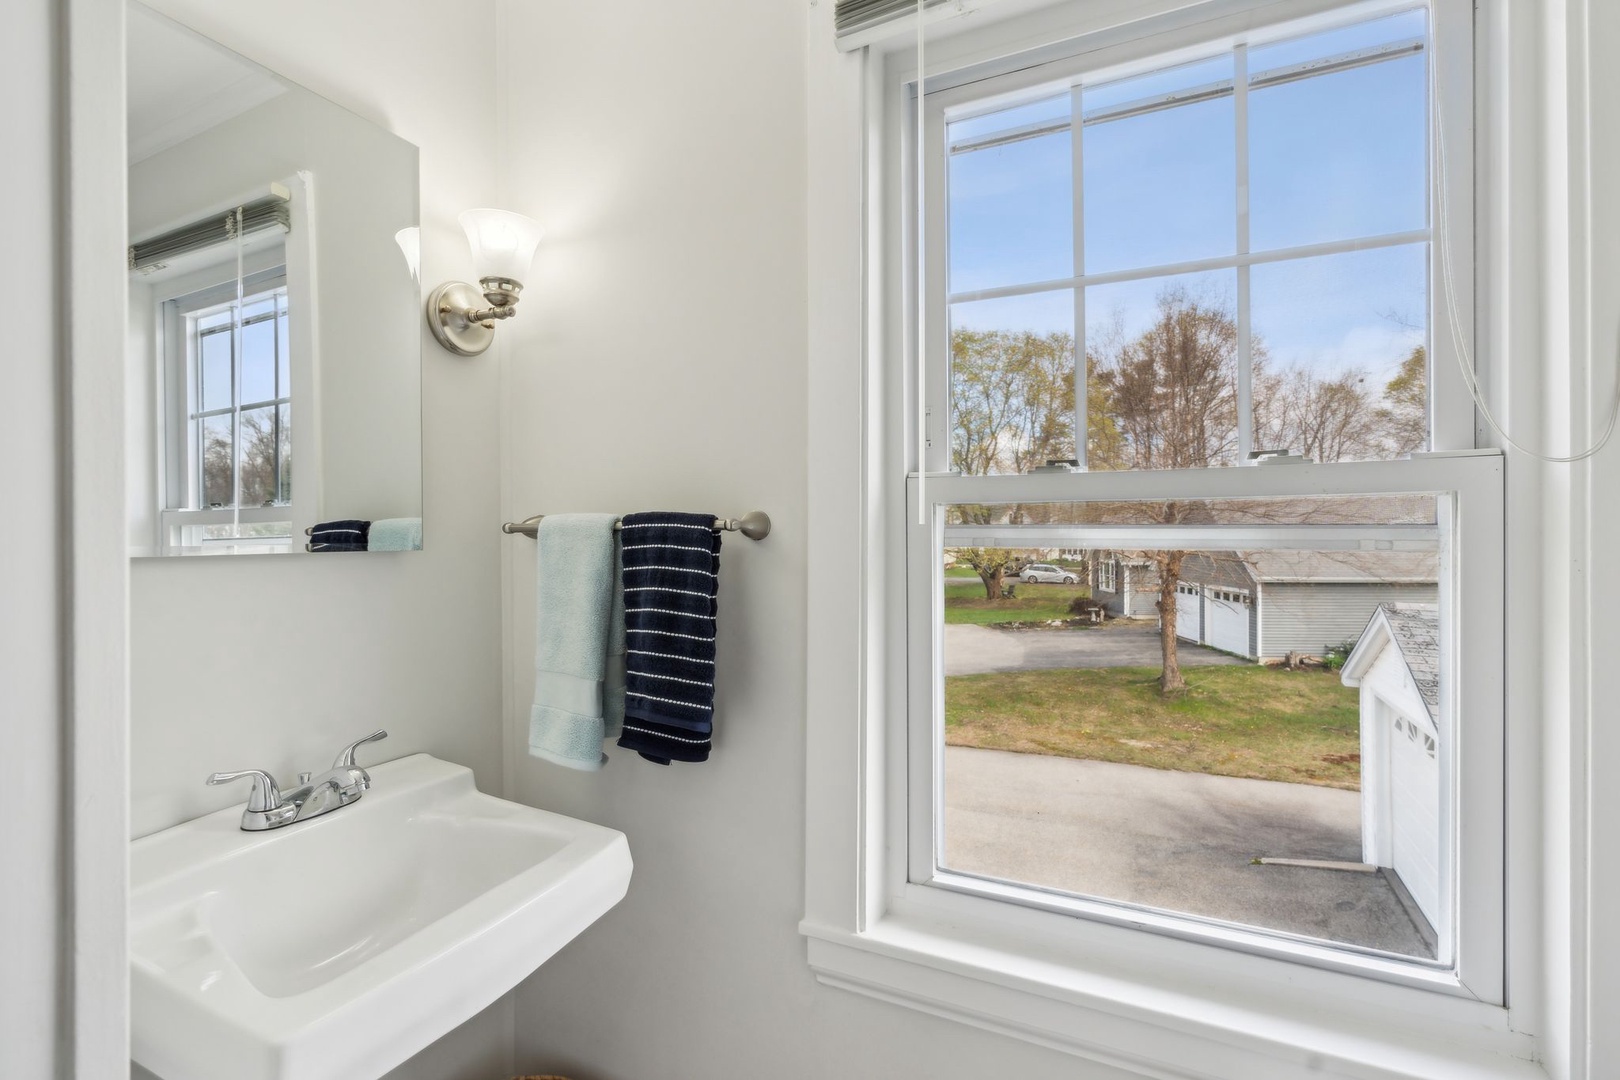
(1181, 841)
(976, 650)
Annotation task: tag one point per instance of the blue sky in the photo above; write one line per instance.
(1331, 157)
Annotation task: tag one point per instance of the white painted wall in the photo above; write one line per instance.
(663, 364)
(33, 922)
(409, 642)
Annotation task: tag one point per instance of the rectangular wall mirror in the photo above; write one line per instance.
(274, 346)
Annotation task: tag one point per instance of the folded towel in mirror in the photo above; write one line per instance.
(345, 535)
(671, 581)
(395, 534)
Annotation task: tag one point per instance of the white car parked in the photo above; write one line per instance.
(1036, 572)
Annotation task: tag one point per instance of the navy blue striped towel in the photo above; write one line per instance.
(347, 535)
(671, 580)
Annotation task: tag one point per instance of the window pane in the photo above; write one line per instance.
(217, 452)
(1164, 356)
(259, 456)
(1339, 155)
(1340, 359)
(1160, 183)
(1012, 213)
(284, 453)
(259, 361)
(215, 369)
(1253, 793)
(1012, 383)
(1121, 94)
(1389, 30)
(988, 125)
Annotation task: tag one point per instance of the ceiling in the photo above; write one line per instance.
(181, 84)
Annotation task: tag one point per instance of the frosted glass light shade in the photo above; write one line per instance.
(502, 243)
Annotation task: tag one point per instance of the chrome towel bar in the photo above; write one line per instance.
(756, 525)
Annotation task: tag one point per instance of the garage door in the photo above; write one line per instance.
(1187, 612)
(1415, 812)
(1228, 621)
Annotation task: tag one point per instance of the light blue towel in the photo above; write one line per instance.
(578, 641)
(395, 534)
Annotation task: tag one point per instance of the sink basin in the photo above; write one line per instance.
(336, 948)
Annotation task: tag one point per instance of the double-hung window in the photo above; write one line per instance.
(1186, 311)
(1189, 295)
(229, 414)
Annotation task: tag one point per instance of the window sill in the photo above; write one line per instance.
(1176, 1029)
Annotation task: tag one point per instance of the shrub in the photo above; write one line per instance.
(1334, 656)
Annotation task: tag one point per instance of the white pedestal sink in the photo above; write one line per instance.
(336, 948)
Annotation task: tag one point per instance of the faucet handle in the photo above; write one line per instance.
(265, 795)
(345, 760)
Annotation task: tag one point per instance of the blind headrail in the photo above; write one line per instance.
(854, 16)
(272, 211)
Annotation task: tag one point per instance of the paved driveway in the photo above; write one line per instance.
(1182, 841)
(975, 650)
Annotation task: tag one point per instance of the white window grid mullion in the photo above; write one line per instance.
(1245, 361)
(1077, 167)
(249, 406)
(236, 402)
(199, 481)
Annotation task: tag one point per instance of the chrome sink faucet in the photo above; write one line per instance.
(268, 807)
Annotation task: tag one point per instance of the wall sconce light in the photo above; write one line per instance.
(503, 246)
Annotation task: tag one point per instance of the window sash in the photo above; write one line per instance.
(189, 311)
(1452, 421)
(1472, 764)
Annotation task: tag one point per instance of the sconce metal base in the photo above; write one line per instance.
(448, 308)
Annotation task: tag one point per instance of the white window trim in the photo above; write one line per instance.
(1155, 1005)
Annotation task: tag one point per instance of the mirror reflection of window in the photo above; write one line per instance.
(235, 434)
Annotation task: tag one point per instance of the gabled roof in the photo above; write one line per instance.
(1414, 630)
(1240, 569)
(1373, 567)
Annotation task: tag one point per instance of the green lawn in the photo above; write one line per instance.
(965, 602)
(1251, 721)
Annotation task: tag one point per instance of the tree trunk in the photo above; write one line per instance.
(1169, 566)
(992, 583)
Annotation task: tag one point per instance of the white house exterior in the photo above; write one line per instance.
(1396, 666)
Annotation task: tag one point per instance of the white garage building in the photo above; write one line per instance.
(1396, 666)
(1266, 604)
